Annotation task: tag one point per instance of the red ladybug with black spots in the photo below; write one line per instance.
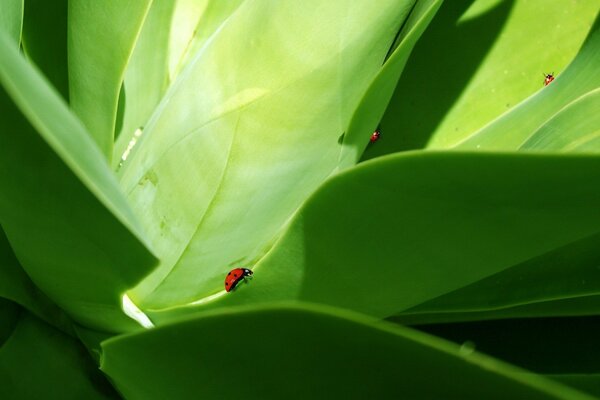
(548, 78)
(375, 136)
(235, 276)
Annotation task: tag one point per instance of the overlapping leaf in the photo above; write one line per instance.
(101, 38)
(248, 130)
(61, 209)
(301, 352)
(424, 224)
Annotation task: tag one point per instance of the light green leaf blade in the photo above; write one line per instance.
(11, 19)
(171, 32)
(45, 40)
(476, 61)
(570, 93)
(421, 225)
(247, 132)
(61, 207)
(373, 104)
(580, 119)
(101, 37)
(40, 362)
(301, 352)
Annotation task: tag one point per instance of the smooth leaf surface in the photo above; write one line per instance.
(15, 285)
(373, 104)
(247, 131)
(305, 352)
(45, 40)
(40, 362)
(171, 33)
(476, 61)
(101, 38)
(11, 19)
(545, 285)
(561, 103)
(61, 209)
(424, 224)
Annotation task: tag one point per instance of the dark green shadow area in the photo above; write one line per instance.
(9, 316)
(543, 345)
(438, 70)
(45, 40)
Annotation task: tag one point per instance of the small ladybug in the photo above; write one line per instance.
(235, 276)
(375, 136)
(548, 78)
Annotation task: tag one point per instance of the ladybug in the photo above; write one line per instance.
(235, 276)
(375, 136)
(548, 78)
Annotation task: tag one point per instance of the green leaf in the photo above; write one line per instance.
(248, 130)
(101, 38)
(561, 104)
(15, 285)
(576, 127)
(589, 383)
(565, 273)
(45, 40)
(476, 61)
(301, 352)
(40, 362)
(11, 19)
(423, 224)
(9, 316)
(373, 104)
(62, 209)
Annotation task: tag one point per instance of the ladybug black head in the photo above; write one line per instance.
(247, 272)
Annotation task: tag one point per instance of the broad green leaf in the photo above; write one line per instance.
(567, 272)
(15, 285)
(45, 40)
(40, 362)
(101, 37)
(476, 61)
(247, 131)
(301, 352)
(61, 208)
(420, 225)
(373, 104)
(562, 103)
(171, 32)
(580, 119)
(11, 19)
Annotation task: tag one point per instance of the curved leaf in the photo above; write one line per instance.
(421, 225)
(100, 41)
(62, 209)
(247, 132)
(171, 32)
(40, 362)
(301, 352)
(15, 285)
(546, 285)
(476, 61)
(377, 97)
(565, 98)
